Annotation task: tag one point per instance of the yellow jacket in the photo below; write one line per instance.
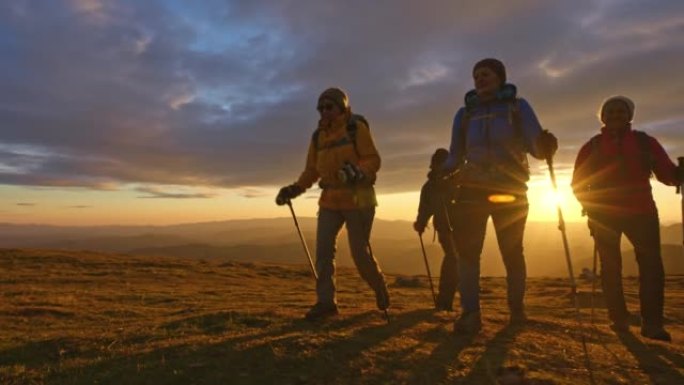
(327, 157)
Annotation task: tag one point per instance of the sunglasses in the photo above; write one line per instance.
(325, 107)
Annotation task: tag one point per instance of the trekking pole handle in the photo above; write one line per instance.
(552, 173)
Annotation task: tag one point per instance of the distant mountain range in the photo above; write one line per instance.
(395, 244)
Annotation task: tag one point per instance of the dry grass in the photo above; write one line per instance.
(87, 318)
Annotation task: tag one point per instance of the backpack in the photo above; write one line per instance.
(352, 128)
(514, 117)
(517, 171)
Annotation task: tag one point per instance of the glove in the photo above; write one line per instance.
(288, 193)
(350, 173)
(547, 144)
(420, 228)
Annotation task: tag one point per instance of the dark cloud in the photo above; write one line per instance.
(26, 204)
(103, 95)
(78, 207)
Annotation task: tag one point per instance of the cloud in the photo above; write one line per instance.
(26, 204)
(249, 192)
(156, 193)
(79, 207)
(111, 95)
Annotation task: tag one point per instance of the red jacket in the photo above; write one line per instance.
(613, 169)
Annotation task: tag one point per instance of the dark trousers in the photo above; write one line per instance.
(470, 226)
(359, 224)
(448, 276)
(643, 232)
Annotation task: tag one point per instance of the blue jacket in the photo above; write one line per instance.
(495, 151)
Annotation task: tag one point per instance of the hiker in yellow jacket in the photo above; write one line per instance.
(343, 159)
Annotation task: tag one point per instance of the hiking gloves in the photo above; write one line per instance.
(288, 193)
(419, 227)
(547, 144)
(350, 173)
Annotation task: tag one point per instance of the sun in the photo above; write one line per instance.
(544, 201)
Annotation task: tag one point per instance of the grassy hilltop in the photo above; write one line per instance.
(70, 317)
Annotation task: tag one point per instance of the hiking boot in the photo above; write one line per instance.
(321, 310)
(444, 304)
(468, 323)
(620, 326)
(382, 299)
(656, 333)
(517, 317)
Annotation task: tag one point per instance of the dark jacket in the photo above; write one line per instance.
(434, 203)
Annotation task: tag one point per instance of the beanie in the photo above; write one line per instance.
(494, 65)
(337, 96)
(623, 99)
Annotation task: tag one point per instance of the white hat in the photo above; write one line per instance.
(627, 101)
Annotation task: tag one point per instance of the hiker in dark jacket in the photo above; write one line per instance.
(435, 201)
(491, 137)
(343, 159)
(612, 182)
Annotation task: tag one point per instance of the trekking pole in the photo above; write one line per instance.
(680, 190)
(593, 282)
(451, 229)
(427, 267)
(561, 227)
(301, 238)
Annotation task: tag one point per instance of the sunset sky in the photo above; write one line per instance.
(159, 112)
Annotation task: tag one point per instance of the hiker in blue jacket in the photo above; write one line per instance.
(491, 137)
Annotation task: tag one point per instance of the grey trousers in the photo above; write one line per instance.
(359, 224)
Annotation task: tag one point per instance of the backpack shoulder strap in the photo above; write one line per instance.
(352, 128)
(463, 133)
(515, 118)
(595, 143)
(314, 138)
(645, 146)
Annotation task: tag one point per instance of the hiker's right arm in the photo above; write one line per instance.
(423, 209)
(310, 175)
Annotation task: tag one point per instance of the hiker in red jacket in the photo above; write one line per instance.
(611, 181)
